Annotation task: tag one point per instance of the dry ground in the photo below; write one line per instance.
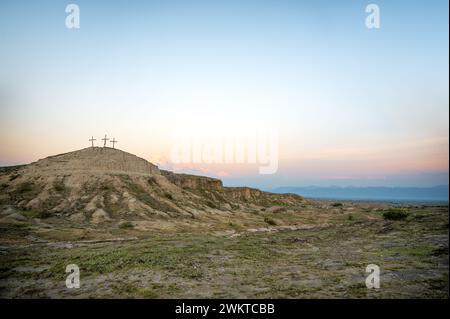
(320, 250)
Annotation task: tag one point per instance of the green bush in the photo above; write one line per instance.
(270, 221)
(211, 204)
(395, 214)
(59, 186)
(168, 196)
(107, 187)
(126, 225)
(25, 187)
(44, 214)
(279, 210)
(152, 181)
(337, 204)
(31, 213)
(13, 177)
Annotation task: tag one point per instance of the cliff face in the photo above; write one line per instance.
(104, 184)
(193, 182)
(215, 186)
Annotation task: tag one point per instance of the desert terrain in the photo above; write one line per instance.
(136, 231)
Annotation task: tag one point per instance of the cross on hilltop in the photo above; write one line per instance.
(105, 139)
(113, 141)
(92, 139)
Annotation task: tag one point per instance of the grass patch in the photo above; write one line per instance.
(413, 251)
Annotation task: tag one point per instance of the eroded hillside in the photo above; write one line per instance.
(103, 188)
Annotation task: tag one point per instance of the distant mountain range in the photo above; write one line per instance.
(436, 193)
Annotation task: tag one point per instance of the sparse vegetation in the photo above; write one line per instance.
(143, 195)
(259, 265)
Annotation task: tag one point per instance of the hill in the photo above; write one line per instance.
(111, 188)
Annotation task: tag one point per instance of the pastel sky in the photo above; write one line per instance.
(352, 105)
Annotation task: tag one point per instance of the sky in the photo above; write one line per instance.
(344, 104)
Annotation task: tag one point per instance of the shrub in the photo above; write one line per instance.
(36, 214)
(350, 217)
(107, 187)
(44, 214)
(270, 221)
(25, 187)
(168, 196)
(211, 204)
(126, 225)
(395, 214)
(279, 210)
(152, 181)
(337, 204)
(59, 186)
(13, 177)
